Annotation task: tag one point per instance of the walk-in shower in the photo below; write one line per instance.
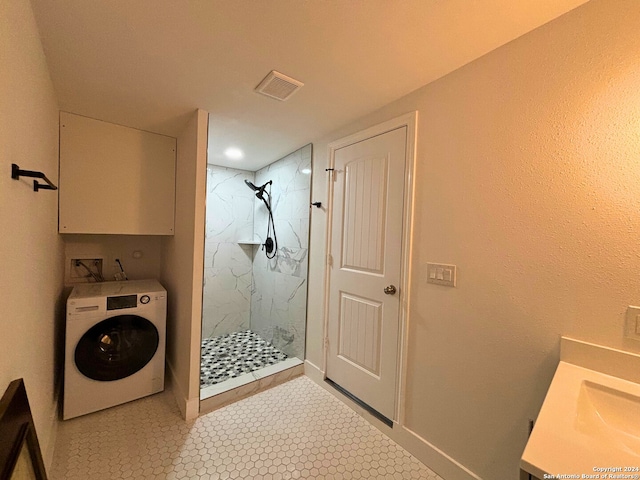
(255, 288)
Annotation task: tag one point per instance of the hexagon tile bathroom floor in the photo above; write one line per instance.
(295, 430)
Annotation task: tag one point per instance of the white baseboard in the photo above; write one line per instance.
(314, 372)
(441, 463)
(429, 454)
(189, 407)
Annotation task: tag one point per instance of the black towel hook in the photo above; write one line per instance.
(16, 173)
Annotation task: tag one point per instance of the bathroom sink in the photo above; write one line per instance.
(609, 415)
(588, 420)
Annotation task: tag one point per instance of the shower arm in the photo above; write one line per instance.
(263, 188)
(267, 203)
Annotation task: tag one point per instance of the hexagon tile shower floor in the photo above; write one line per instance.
(295, 430)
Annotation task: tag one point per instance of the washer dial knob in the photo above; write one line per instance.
(144, 299)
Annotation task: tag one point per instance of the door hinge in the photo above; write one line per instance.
(326, 343)
(329, 260)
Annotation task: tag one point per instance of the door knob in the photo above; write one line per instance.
(390, 289)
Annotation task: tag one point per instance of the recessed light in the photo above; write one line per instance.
(233, 153)
(306, 171)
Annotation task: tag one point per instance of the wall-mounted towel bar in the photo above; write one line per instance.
(16, 173)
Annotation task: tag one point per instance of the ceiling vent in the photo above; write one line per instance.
(279, 86)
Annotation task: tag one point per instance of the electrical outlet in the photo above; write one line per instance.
(85, 267)
(632, 323)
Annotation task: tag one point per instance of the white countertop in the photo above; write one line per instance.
(589, 421)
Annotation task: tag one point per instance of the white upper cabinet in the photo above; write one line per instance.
(115, 179)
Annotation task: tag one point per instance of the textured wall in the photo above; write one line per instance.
(528, 167)
(31, 323)
(228, 265)
(279, 296)
(182, 261)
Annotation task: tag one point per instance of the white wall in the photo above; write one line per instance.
(528, 167)
(30, 250)
(182, 266)
(139, 254)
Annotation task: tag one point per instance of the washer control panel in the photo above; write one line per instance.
(116, 303)
(122, 301)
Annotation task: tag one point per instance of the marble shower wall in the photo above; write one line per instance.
(279, 294)
(228, 265)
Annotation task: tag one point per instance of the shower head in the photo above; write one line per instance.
(259, 190)
(251, 186)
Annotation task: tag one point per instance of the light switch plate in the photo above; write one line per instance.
(441, 274)
(632, 323)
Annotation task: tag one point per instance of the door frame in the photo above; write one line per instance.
(409, 120)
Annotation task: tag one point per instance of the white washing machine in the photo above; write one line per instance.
(115, 344)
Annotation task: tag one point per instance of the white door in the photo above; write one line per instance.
(365, 259)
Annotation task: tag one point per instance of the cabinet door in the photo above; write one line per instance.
(115, 179)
